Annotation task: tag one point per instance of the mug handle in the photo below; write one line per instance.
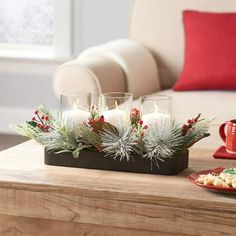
(222, 131)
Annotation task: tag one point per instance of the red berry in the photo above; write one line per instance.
(101, 119)
(145, 126)
(33, 118)
(139, 122)
(196, 119)
(42, 117)
(91, 122)
(47, 127)
(36, 112)
(190, 121)
(185, 127)
(39, 126)
(46, 117)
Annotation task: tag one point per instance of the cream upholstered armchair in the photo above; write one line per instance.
(149, 62)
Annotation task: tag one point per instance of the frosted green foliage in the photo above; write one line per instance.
(120, 144)
(62, 139)
(162, 141)
(27, 131)
(29, 128)
(197, 132)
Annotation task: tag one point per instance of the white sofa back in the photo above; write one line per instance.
(158, 25)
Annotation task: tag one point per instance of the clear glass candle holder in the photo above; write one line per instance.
(115, 106)
(75, 108)
(156, 110)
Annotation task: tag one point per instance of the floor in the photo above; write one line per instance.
(7, 140)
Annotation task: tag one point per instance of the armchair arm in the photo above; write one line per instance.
(121, 65)
(138, 64)
(93, 72)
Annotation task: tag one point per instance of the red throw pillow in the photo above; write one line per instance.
(210, 52)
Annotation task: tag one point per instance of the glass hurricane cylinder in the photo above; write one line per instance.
(115, 106)
(75, 107)
(156, 110)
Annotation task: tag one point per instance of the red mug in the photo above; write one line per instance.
(230, 137)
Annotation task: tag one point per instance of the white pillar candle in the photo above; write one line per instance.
(114, 116)
(76, 116)
(156, 118)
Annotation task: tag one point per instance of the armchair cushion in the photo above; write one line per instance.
(210, 52)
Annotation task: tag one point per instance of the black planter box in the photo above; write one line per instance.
(95, 160)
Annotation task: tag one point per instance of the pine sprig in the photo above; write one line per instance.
(197, 132)
(163, 141)
(27, 130)
(120, 145)
(62, 139)
(40, 123)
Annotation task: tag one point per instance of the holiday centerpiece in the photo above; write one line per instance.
(110, 136)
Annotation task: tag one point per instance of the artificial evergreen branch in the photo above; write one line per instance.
(42, 121)
(163, 141)
(121, 145)
(62, 139)
(197, 132)
(27, 130)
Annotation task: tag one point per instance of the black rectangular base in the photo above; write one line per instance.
(95, 160)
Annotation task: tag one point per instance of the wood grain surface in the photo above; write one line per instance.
(35, 198)
(19, 226)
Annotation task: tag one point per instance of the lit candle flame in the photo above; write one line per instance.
(116, 105)
(156, 108)
(76, 104)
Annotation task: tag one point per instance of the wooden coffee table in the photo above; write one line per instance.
(45, 200)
